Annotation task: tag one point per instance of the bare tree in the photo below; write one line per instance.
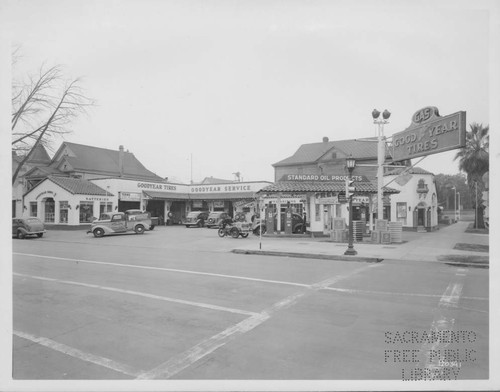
(42, 108)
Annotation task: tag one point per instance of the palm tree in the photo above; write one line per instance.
(474, 161)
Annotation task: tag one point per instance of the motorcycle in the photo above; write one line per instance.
(233, 229)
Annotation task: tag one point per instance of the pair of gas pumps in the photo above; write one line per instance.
(271, 220)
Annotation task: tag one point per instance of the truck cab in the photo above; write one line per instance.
(121, 222)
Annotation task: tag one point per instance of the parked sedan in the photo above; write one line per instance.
(196, 218)
(215, 219)
(24, 227)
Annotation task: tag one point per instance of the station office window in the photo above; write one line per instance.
(86, 211)
(401, 212)
(33, 208)
(105, 207)
(63, 212)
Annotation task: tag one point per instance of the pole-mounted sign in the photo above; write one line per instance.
(429, 133)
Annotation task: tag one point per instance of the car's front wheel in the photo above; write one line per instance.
(98, 232)
(20, 234)
(139, 229)
(39, 235)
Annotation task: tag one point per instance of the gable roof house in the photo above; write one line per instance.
(74, 167)
(328, 156)
(39, 158)
(89, 162)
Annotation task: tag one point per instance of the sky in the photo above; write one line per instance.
(209, 88)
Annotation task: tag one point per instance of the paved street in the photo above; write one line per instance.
(175, 303)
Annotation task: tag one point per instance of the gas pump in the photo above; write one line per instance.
(288, 221)
(269, 219)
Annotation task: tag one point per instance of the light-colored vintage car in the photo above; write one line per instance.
(121, 222)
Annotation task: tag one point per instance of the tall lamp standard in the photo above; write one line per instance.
(380, 157)
(455, 202)
(351, 164)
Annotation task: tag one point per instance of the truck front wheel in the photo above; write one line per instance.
(139, 229)
(98, 232)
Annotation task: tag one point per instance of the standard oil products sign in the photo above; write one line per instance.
(429, 133)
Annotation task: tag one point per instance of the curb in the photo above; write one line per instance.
(473, 265)
(307, 255)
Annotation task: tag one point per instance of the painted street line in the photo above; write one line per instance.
(443, 320)
(75, 353)
(182, 361)
(356, 291)
(164, 269)
(146, 295)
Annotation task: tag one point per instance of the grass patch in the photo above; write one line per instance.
(465, 259)
(472, 247)
(471, 229)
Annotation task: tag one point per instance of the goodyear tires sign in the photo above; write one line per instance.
(429, 134)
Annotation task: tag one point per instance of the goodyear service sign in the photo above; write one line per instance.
(429, 133)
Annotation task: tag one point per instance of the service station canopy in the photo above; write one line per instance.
(428, 134)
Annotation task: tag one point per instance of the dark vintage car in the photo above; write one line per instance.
(215, 219)
(24, 227)
(196, 218)
(297, 224)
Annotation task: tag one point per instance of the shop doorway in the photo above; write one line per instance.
(157, 209)
(177, 212)
(128, 205)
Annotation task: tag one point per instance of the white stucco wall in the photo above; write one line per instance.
(409, 195)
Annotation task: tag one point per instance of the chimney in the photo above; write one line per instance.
(120, 160)
(325, 139)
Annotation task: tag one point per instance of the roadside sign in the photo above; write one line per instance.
(428, 134)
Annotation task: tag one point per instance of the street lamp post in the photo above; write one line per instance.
(351, 164)
(458, 205)
(380, 157)
(455, 202)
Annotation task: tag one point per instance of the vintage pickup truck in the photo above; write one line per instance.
(121, 222)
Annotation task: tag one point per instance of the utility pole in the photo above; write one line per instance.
(380, 157)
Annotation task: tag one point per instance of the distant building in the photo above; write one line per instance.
(416, 205)
(311, 182)
(82, 182)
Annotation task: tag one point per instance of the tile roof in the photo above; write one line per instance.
(79, 186)
(413, 170)
(305, 186)
(106, 161)
(365, 148)
(213, 180)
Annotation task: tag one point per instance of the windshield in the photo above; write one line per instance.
(32, 220)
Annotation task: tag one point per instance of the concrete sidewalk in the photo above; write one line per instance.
(435, 246)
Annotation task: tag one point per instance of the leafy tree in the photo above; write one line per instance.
(446, 193)
(43, 106)
(473, 159)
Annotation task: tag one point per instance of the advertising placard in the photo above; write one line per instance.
(429, 134)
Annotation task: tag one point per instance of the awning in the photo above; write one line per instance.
(222, 196)
(165, 195)
(155, 195)
(305, 186)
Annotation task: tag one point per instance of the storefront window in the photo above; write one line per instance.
(86, 211)
(105, 207)
(401, 211)
(317, 212)
(63, 212)
(33, 208)
(50, 208)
